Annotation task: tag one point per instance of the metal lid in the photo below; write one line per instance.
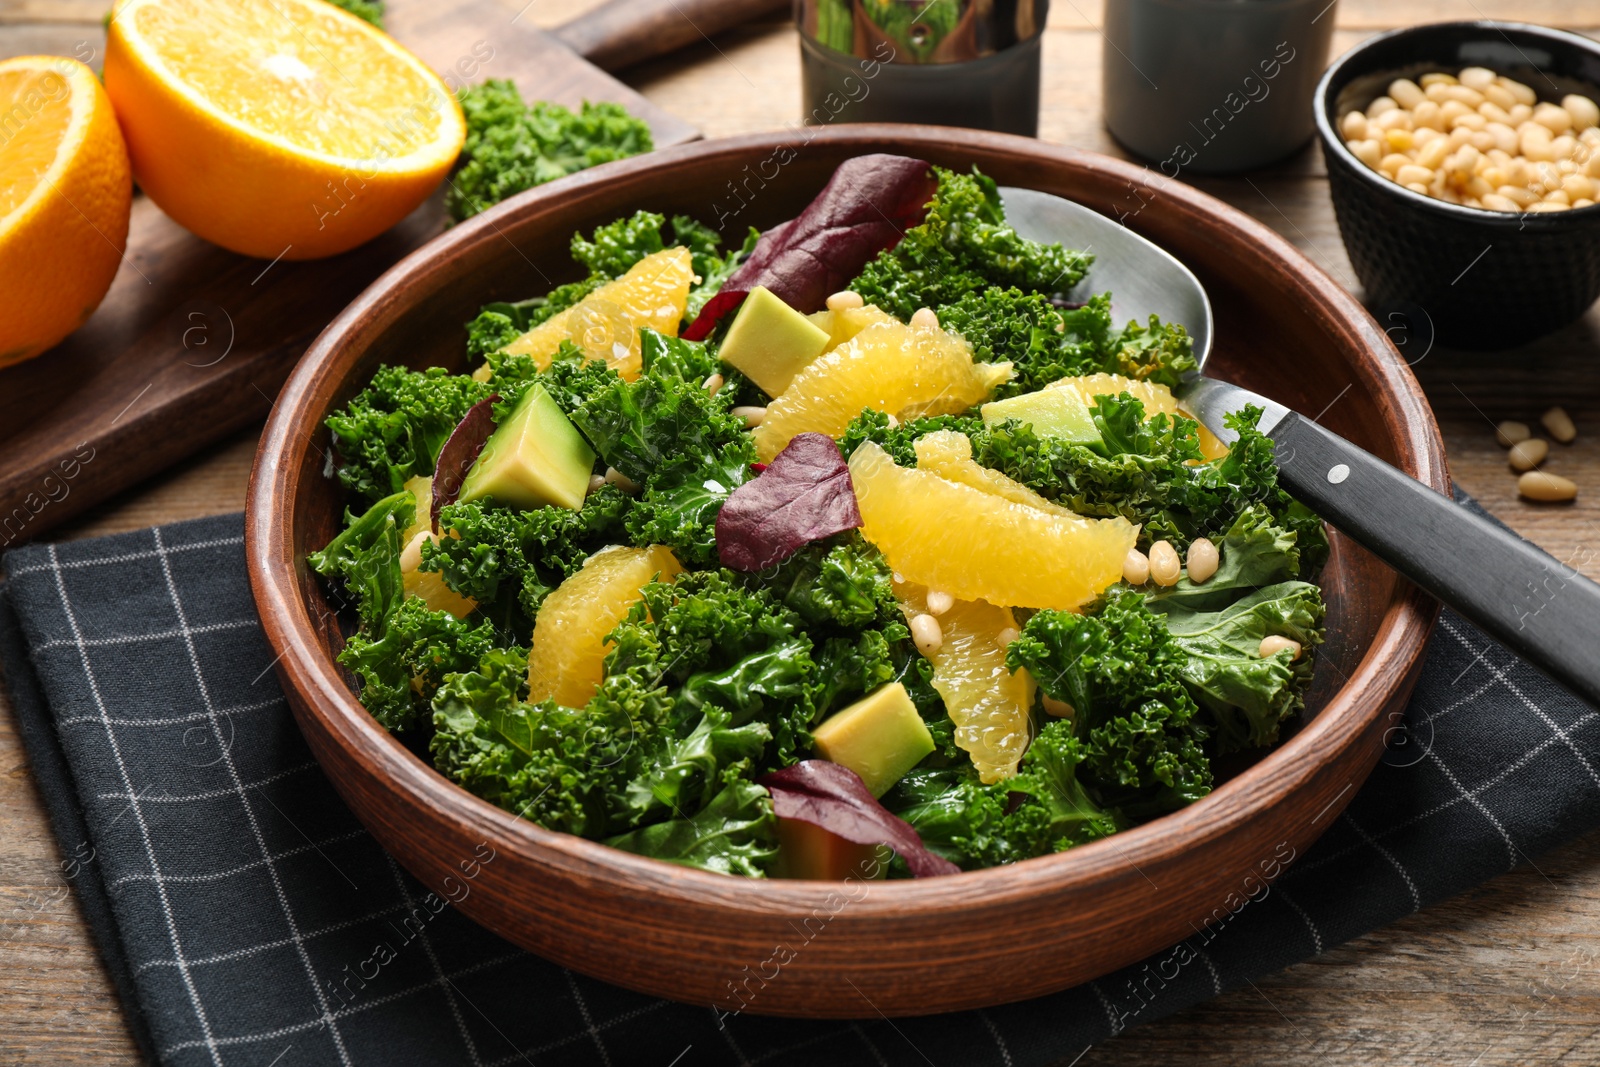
(920, 31)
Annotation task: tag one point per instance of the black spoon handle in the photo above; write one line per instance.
(1535, 605)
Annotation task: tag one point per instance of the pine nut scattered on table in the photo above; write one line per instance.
(1510, 432)
(1546, 488)
(1559, 424)
(1526, 455)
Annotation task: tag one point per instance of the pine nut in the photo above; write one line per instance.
(1426, 116)
(1164, 566)
(1559, 424)
(1584, 111)
(1354, 126)
(845, 300)
(752, 416)
(1411, 173)
(713, 384)
(1479, 78)
(1510, 432)
(1006, 636)
(1496, 202)
(1436, 78)
(1552, 117)
(1369, 153)
(1526, 455)
(1519, 92)
(1272, 644)
(621, 481)
(927, 635)
(939, 603)
(1406, 93)
(1203, 560)
(1547, 488)
(1059, 709)
(596, 481)
(1136, 567)
(925, 319)
(1496, 94)
(1380, 105)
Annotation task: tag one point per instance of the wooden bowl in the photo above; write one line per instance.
(834, 949)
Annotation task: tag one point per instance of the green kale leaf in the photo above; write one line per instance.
(512, 146)
(400, 671)
(365, 557)
(734, 834)
(394, 428)
(964, 246)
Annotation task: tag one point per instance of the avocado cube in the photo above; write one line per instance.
(1058, 413)
(880, 737)
(536, 457)
(771, 342)
(806, 850)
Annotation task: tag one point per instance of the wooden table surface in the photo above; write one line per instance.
(1508, 973)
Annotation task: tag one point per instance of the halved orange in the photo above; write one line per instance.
(64, 200)
(277, 127)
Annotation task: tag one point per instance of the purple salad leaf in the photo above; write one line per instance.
(865, 208)
(803, 495)
(833, 797)
(459, 453)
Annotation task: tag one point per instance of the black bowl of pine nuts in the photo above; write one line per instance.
(1464, 165)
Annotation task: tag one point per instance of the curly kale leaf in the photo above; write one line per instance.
(1220, 625)
(512, 146)
(964, 246)
(900, 440)
(1122, 673)
(491, 553)
(564, 768)
(1151, 472)
(365, 557)
(1044, 808)
(393, 429)
(400, 671)
(1045, 343)
(734, 834)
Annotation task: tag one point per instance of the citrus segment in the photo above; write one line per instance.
(949, 455)
(1155, 397)
(429, 585)
(65, 193)
(889, 366)
(606, 323)
(567, 661)
(988, 703)
(277, 127)
(976, 545)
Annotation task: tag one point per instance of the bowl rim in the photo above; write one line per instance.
(1333, 143)
(314, 680)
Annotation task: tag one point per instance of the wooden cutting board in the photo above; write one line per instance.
(193, 342)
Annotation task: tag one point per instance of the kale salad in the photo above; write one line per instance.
(861, 546)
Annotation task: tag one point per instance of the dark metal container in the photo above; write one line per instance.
(946, 62)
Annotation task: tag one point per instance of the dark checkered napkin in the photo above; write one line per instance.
(248, 919)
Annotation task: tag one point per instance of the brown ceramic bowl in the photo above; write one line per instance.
(1283, 328)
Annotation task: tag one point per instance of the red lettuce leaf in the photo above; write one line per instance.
(459, 453)
(805, 494)
(833, 797)
(865, 208)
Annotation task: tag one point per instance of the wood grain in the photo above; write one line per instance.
(1482, 977)
(192, 342)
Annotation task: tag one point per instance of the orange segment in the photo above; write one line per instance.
(65, 193)
(987, 702)
(567, 661)
(277, 126)
(606, 323)
(949, 455)
(1155, 397)
(976, 545)
(889, 366)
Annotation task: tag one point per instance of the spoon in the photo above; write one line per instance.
(1538, 607)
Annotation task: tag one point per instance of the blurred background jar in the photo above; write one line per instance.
(1213, 86)
(947, 62)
